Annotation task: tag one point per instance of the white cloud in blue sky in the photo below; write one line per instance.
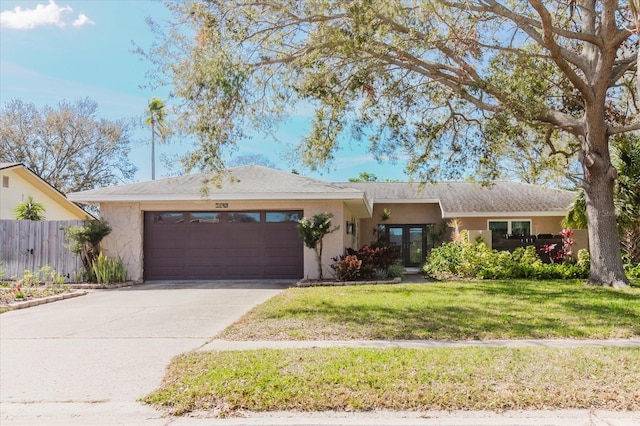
(42, 15)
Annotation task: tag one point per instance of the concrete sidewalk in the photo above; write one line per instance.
(425, 418)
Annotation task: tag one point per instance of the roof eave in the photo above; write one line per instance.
(88, 198)
(548, 213)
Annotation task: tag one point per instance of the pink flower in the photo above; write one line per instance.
(548, 248)
(566, 233)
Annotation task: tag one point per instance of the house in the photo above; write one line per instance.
(245, 228)
(18, 182)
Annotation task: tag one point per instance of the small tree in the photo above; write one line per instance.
(85, 241)
(29, 209)
(312, 233)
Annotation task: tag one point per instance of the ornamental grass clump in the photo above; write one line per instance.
(108, 270)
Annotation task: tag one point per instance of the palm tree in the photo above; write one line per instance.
(155, 118)
(30, 209)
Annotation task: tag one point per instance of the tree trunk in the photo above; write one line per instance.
(319, 260)
(153, 150)
(599, 176)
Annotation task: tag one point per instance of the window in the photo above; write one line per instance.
(205, 217)
(284, 216)
(500, 228)
(5, 181)
(244, 217)
(168, 218)
(521, 227)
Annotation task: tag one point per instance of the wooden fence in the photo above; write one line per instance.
(31, 245)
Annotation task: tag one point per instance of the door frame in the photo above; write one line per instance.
(406, 242)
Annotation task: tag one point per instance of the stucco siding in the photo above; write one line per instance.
(126, 237)
(19, 189)
(401, 214)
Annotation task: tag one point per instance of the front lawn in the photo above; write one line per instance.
(458, 310)
(402, 379)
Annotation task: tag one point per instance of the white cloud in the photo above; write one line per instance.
(50, 14)
(81, 20)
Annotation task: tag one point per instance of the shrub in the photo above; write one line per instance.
(465, 260)
(85, 241)
(378, 258)
(632, 270)
(370, 263)
(347, 268)
(396, 271)
(46, 275)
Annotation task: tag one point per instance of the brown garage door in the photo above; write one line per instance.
(221, 245)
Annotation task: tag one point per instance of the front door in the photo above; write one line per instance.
(411, 240)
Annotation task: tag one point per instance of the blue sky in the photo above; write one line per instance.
(70, 49)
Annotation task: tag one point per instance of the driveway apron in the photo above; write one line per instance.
(87, 360)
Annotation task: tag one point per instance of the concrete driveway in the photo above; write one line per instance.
(86, 360)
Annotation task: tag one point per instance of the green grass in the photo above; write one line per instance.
(509, 309)
(402, 379)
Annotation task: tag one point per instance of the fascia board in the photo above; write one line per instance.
(89, 198)
(453, 215)
(406, 201)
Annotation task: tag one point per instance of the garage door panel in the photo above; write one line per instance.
(277, 272)
(207, 272)
(218, 250)
(244, 253)
(163, 273)
(244, 271)
(206, 253)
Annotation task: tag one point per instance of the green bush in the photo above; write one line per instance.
(632, 270)
(462, 259)
(46, 275)
(396, 271)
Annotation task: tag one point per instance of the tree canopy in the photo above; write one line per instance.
(68, 146)
(449, 85)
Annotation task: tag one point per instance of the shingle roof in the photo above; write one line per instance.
(251, 183)
(460, 199)
(456, 199)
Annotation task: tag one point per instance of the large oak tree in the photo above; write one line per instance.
(68, 146)
(451, 84)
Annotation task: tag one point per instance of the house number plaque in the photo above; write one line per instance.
(222, 205)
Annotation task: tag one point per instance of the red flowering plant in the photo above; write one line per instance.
(17, 292)
(565, 253)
